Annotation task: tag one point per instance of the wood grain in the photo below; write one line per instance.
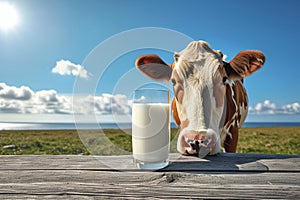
(234, 176)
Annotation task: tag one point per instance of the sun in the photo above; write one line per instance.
(9, 17)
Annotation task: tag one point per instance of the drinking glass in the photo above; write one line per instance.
(151, 128)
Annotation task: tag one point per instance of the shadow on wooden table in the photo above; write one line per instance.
(232, 163)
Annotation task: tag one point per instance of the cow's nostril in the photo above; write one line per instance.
(195, 146)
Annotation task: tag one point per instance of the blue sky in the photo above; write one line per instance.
(62, 33)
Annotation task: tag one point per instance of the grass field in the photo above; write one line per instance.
(277, 140)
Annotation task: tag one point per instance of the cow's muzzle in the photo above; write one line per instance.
(198, 143)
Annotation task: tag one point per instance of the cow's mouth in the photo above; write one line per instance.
(199, 144)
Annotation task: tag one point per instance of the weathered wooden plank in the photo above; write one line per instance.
(235, 176)
(222, 162)
(155, 191)
(107, 177)
(76, 183)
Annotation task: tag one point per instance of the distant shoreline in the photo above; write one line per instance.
(85, 126)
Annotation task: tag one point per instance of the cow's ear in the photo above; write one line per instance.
(154, 67)
(245, 63)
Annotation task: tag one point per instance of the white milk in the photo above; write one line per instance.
(150, 132)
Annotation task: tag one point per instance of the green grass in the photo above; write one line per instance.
(41, 142)
(277, 140)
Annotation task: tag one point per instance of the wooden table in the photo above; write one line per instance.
(234, 176)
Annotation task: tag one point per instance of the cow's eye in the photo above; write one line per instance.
(225, 80)
(173, 81)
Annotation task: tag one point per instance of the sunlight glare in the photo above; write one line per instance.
(9, 17)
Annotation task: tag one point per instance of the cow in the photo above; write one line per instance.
(210, 102)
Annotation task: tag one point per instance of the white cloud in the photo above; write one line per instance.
(269, 108)
(10, 106)
(18, 100)
(49, 102)
(103, 104)
(12, 92)
(291, 108)
(24, 100)
(65, 67)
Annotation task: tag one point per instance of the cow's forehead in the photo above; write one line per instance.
(198, 59)
(198, 50)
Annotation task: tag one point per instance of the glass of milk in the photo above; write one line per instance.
(151, 128)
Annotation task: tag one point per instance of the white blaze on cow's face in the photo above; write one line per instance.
(199, 90)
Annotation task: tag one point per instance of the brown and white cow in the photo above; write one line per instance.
(210, 103)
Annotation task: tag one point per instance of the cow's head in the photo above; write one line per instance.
(199, 76)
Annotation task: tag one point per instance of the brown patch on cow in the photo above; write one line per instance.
(218, 86)
(175, 112)
(177, 87)
(230, 143)
(236, 97)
